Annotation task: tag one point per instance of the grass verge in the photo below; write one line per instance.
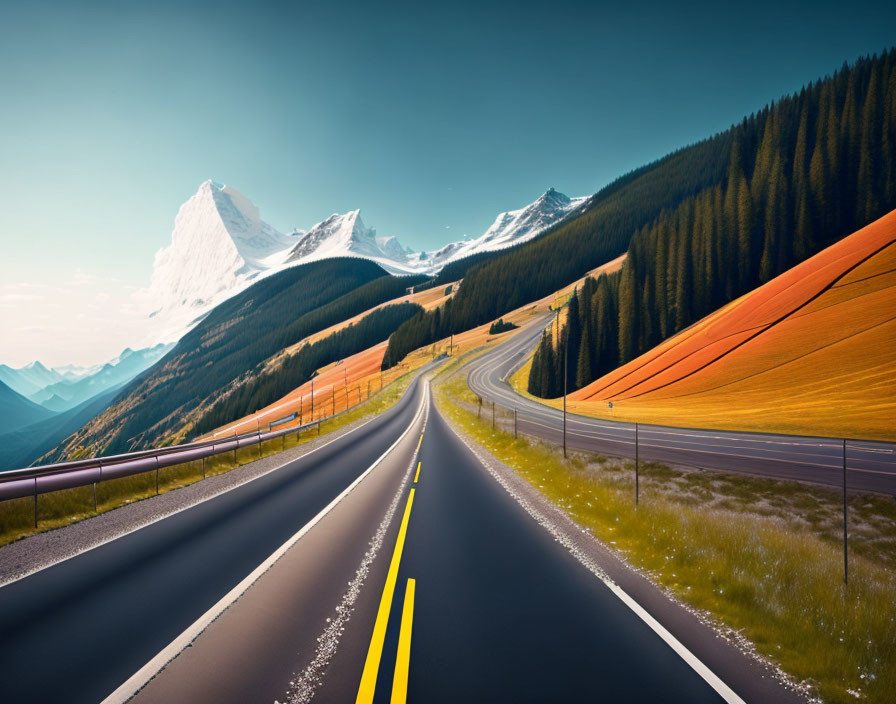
(757, 555)
(60, 508)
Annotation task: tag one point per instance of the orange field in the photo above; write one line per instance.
(812, 351)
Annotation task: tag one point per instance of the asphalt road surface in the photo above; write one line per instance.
(871, 466)
(499, 610)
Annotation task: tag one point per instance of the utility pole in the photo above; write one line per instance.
(845, 535)
(565, 361)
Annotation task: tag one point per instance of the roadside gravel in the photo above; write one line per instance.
(36, 552)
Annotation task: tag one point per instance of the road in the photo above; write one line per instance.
(235, 597)
(871, 466)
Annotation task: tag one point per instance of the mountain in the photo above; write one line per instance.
(20, 447)
(810, 352)
(28, 379)
(346, 236)
(73, 372)
(220, 245)
(514, 227)
(16, 411)
(69, 393)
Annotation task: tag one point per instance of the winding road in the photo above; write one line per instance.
(389, 564)
(871, 466)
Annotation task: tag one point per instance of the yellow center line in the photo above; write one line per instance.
(403, 658)
(419, 443)
(417, 476)
(375, 652)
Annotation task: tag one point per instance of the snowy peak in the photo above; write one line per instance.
(347, 236)
(219, 245)
(517, 226)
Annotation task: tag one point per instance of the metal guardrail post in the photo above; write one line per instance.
(493, 415)
(94, 488)
(515, 424)
(35, 502)
(259, 444)
(157, 475)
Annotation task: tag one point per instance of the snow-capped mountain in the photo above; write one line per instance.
(220, 245)
(347, 236)
(513, 227)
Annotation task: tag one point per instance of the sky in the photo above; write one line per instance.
(430, 118)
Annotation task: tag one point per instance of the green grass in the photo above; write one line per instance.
(761, 556)
(60, 508)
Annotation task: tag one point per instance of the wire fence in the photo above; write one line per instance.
(629, 443)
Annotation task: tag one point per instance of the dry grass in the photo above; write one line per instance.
(761, 556)
(792, 356)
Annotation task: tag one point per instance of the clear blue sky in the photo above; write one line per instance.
(424, 117)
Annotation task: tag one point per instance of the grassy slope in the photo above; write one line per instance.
(778, 359)
(760, 556)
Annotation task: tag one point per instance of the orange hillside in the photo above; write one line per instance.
(812, 351)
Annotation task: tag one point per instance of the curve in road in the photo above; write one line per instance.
(871, 466)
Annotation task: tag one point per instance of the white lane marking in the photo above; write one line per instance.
(799, 447)
(712, 679)
(139, 679)
(109, 539)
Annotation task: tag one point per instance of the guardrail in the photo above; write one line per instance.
(33, 481)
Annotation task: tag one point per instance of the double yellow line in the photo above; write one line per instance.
(377, 640)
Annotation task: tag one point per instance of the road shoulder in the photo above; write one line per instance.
(723, 651)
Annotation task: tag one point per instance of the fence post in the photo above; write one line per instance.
(637, 463)
(480, 406)
(318, 427)
(283, 444)
(845, 524)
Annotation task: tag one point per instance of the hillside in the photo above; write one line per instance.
(705, 224)
(16, 411)
(812, 351)
(238, 335)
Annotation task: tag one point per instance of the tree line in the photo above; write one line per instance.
(800, 175)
